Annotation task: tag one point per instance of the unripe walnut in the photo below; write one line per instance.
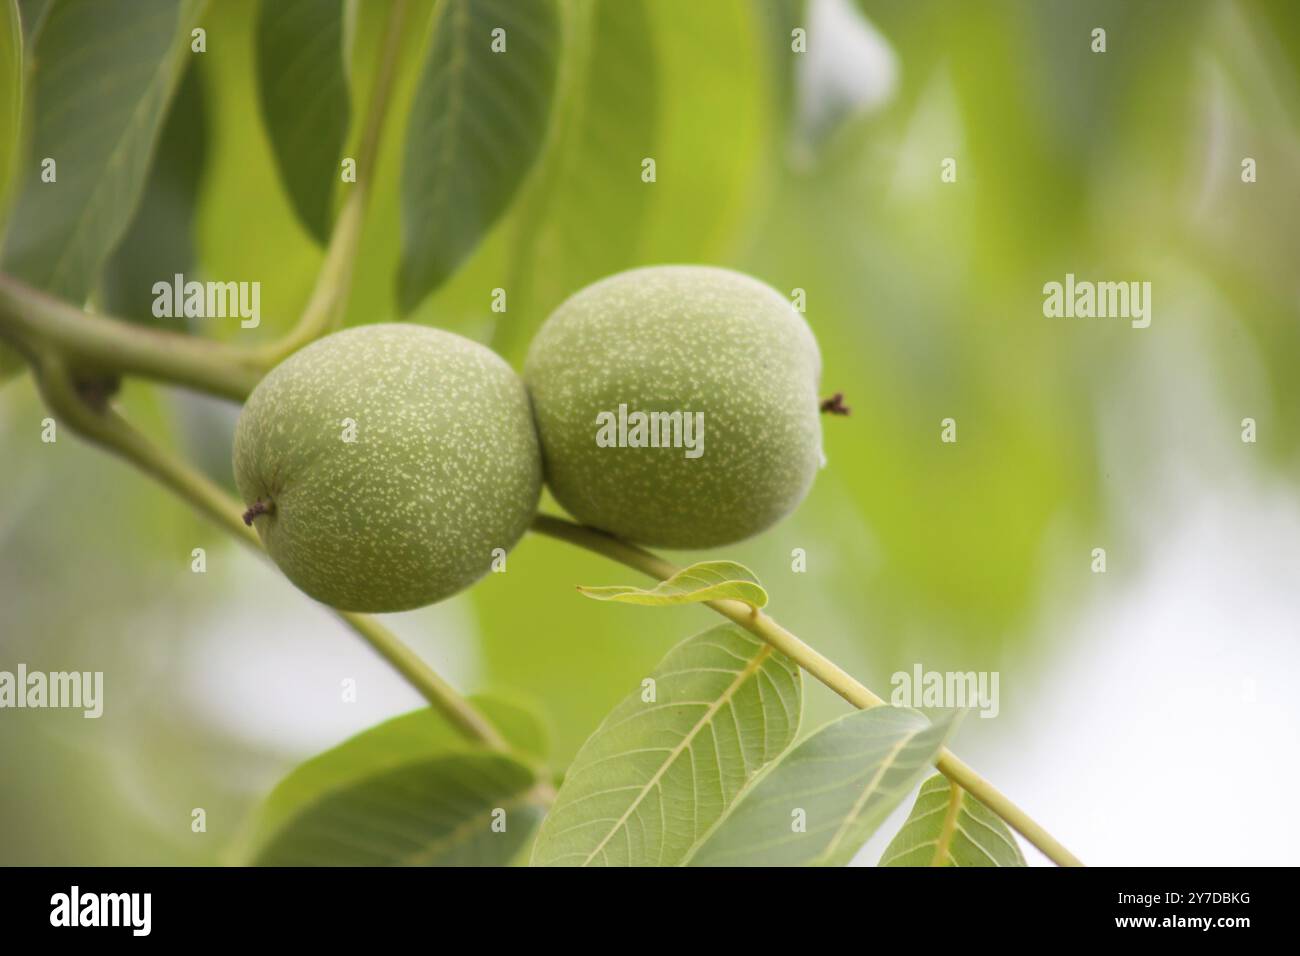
(383, 466)
(719, 347)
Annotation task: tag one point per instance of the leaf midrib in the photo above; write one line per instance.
(943, 845)
(741, 677)
(457, 18)
(871, 787)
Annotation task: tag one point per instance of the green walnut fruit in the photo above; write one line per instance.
(386, 467)
(677, 405)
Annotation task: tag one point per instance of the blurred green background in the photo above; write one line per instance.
(1146, 712)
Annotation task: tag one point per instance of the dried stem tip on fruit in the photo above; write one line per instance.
(258, 507)
(835, 405)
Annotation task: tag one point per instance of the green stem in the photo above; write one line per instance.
(114, 345)
(456, 709)
(112, 432)
(324, 310)
(816, 664)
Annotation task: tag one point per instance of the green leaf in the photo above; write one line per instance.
(159, 243)
(840, 783)
(439, 811)
(657, 773)
(11, 109)
(584, 213)
(11, 96)
(949, 827)
(303, 90)
(519, 725)
(705, 196)
(246, 228)
(705, 581)
(634, 85)
(475, 128)
(99, 92)
(404, 741)
(33, 14)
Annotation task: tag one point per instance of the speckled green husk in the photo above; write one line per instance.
(444, 469)
(679, 338)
